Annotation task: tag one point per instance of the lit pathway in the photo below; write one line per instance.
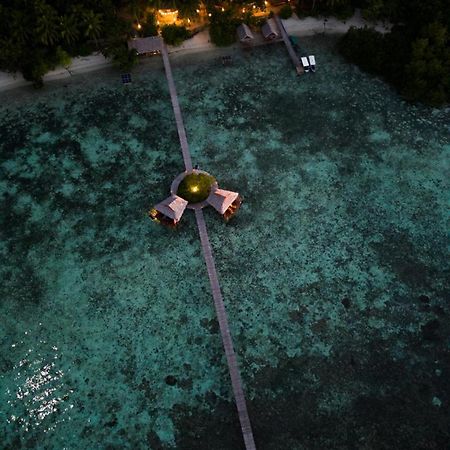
(298, 65)
(236, 381)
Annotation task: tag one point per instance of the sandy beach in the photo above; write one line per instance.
(198, 43)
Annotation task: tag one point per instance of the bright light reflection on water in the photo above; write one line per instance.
(40, 391)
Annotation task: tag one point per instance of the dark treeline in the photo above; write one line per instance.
(38, 35)
(414, 56)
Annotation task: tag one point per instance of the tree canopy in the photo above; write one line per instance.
(414, 56)
(174, 34)
(36, 34)
(223, 27)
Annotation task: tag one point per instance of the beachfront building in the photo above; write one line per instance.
(270, 30)
(169, 211)
(225, 202)
(244, 33)
(167, 16)
(146, 46)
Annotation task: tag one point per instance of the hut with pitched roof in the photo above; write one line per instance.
(270, 30)
(150, 45)
(244, 33)
(169, 211)
(225, 202)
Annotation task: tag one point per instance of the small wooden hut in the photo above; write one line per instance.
(169, 211)
(146, 46)
(225, 202)
(244, 33)
(270, 30)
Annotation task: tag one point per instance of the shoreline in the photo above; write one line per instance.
(199, 43)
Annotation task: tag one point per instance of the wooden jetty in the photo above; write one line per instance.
(176, 109)
(225, 333)
(297, 64)
(236, 381)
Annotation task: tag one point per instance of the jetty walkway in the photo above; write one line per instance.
(227, 341)
(297, 64)
(176, 109)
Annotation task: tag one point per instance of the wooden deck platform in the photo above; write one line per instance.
(296, 61)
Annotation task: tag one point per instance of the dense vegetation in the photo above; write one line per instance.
(285, 12)
(174, 34)
(37, 35)
(222, 28)
(414, 56)
(342, 9)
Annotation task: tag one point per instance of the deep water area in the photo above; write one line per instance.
(335, 272)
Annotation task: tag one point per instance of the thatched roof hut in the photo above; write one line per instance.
(244, 33)
(172, 207)
(270, 30)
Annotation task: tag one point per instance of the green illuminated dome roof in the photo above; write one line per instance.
(195, 187)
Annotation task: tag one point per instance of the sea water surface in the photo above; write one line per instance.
(334, 273)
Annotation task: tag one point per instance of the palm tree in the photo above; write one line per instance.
(68, 28)
(20, 30)
(46, 23)
(93, 24)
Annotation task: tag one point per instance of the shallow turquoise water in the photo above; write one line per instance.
(334, 273)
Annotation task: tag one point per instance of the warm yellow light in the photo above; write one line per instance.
(223, 9)
(139, 26)
(254, 6)
(194, 188)
(189, 20)
(266, 2)
(243, 10)
(197, 10)
(209, 15)
(166, 12)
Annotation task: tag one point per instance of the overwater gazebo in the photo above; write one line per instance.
(169, 211)
(195, 189)
(225, 202)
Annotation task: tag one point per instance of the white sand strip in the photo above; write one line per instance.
(200, 42)
(81, 64)
(312, 25)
